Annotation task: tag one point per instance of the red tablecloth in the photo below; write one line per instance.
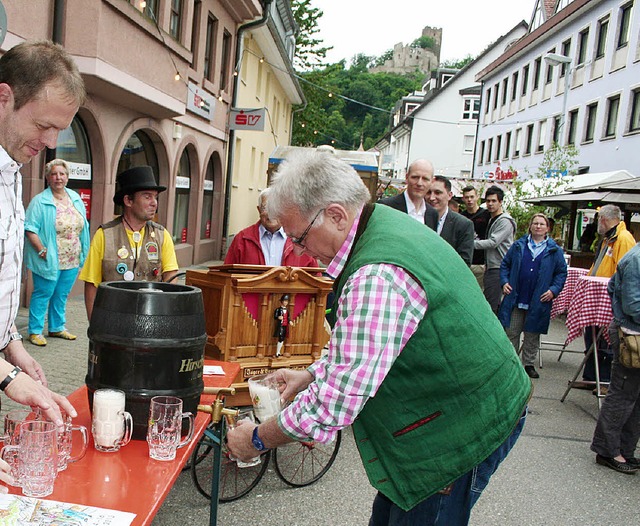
(590, 305)
(561, 303)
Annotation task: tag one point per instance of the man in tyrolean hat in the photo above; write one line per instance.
(132, 246)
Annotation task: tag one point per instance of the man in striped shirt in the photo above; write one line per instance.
(40, 92)
(433, 407)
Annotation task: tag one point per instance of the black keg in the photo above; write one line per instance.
(147, 339)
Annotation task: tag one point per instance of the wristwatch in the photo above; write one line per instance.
(255, 439)
(12, 338)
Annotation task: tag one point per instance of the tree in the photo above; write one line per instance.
(457, 63)
(424, 42)
(387, 55)
(309, 49)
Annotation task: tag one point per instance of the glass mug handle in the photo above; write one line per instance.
(85, 442)
(190, 433)
(12, 459)
(128, 428)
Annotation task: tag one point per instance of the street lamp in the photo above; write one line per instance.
(554, 59)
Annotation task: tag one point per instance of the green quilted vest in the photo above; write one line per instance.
(456, 391)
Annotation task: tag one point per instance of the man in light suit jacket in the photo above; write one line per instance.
(412, 201)
(454, 228)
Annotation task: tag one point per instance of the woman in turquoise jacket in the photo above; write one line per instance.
(57, 233)
(532, 274)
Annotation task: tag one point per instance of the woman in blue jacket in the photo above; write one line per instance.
(57, 235)
(532, 273)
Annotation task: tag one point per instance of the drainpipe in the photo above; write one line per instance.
(266, 5)
(59, 8)
(475, 145)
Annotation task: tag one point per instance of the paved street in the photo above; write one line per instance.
(550, 478)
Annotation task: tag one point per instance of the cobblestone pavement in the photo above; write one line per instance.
(550, 478)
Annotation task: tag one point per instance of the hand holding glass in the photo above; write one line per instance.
(265, 396)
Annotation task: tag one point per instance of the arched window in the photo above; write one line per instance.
(73, 147)
(181, 212)
(207, 202)
(138, 151)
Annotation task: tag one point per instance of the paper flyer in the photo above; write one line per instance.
(16, 510)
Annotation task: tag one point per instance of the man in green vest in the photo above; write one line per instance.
(417, 362)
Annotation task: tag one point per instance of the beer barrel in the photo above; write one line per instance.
(147, 339)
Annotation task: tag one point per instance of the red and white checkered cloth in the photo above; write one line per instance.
(590, 305)
(561, 303)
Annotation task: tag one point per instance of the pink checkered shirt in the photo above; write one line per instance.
(378, 311)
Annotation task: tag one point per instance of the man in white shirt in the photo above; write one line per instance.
(412, 200)
(452, 227)
(40, 92)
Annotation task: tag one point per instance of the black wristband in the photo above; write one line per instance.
(11, 376)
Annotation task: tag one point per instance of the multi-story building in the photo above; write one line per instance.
(442, 128)
(266, 84)
(574, 79)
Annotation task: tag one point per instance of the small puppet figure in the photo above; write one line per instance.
(281, 315)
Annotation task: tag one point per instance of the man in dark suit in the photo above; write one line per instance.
(412, 201)
(454, 228)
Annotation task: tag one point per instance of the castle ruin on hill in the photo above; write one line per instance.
(408, 58)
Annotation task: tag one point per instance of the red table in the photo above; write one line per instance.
(590, 306)
(562, 302)
(128, 480)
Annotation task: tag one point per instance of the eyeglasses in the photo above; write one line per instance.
(298, 240)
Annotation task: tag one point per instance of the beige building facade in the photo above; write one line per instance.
(266, 84)
(159, 77)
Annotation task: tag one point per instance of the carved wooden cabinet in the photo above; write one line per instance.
(239, 305)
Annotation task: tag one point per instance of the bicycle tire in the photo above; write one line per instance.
(299, 464)
(235, 482)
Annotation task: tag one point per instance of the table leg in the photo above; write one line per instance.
(215, 479)
(592, 350)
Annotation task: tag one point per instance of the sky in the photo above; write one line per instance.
(365, 26)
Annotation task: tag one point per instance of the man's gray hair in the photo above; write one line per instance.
(611, 212)
(263, 196)
(309, 181)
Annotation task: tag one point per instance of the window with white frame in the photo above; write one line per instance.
(514, 86)
(528, 140)
(536, 72)
(555, 132)
(505, 91)
(611, 124)
(489, 148)
(470, 108)
(507, 145)
(486, 106)
(583, 42)
(542, 133)
(624, 22)
(175, 19)
(525, 79)
(634, 120)
(566, 49)
(496, 88)
(496, 157)
(481, 156)
(601, 43)
(573, 125)
(467, 144)
(517, 142)
(590, 124)
(548, 77)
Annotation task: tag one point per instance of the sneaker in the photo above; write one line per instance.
(531, 371)
(37, 339)
(65, 335)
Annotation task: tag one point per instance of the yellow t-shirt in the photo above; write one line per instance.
(92, 269)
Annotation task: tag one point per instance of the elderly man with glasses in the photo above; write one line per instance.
(434, 408)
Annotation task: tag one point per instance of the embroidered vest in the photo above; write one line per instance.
(120, 255)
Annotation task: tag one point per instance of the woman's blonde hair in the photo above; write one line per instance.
(56, 162)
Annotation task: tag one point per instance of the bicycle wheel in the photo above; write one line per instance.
(302, 463)
(235, 482)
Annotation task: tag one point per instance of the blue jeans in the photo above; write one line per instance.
(51, 294)
(453, 509)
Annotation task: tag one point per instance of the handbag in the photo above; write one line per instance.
(629, 350)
